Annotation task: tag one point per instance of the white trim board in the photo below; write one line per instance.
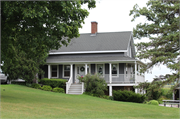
(81, 52)
(121, 84)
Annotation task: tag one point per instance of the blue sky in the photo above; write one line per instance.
(113, 16)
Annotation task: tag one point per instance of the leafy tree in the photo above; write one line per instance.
(162, 29)
(152, 92)
(31, 28)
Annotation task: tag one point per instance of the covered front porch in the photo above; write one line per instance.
(114, 73)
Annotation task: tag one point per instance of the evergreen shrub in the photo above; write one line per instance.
(46, 88)
(128, 96)
(153, 102)
(58, 90)
(37, 86)
(54, 82)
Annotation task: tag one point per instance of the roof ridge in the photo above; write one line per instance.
(108, 32)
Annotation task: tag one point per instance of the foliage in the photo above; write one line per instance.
(59, 90)
(153, 102)
(128, 96)
(53, 82)
(18, 83)
(162, 29)
(166, 92)
(31, 29)
(46, 88)
(153, 90)
(160, 100)
(37, 86)
(95, 84)
(81, 79)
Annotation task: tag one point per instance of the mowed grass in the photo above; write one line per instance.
(25, 102)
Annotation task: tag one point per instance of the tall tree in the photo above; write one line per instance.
(162, 28)
(31, 28)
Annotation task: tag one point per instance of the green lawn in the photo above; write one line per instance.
(24, 102)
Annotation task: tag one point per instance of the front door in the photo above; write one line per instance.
(80, 71)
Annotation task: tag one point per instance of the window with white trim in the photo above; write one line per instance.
(54, 71)
(66, 70)
(100, 69)
(114, 69)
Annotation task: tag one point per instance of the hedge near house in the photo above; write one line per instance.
(128, 96)
(54, 82)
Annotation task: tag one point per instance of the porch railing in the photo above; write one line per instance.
(123, 79)
(140, 78)
(82, 87)
(68, 85)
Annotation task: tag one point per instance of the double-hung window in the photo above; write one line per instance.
(114, 70)
(100, 69)
(66, 70)
(54, 71)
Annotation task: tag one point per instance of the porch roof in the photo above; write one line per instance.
(106, 59)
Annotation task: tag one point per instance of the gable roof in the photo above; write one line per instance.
(107, 41)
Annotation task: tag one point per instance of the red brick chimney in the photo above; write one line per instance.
(93, 27)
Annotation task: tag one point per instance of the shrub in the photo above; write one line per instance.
(156, 94)
(166, 93)
(18, 83)
(153, 102)
(59, 90)
(94, 84)
(46, 88)
(54, 82)
(128, 96)
(160, 100)
(37, 86)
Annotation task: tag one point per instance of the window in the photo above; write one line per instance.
(114, 70)
(126, 69)
(100, 69)
(88, 69)
(66, 70)
(54, 71)
(77, 69)
(131, 69)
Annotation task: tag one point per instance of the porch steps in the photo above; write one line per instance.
(75, 89)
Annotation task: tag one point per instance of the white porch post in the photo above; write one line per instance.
(85, 69)
(135, 68)
(136, 90)
(110, 90)
(58, 71)
(49, 71)
(110, 74)
(71, 71)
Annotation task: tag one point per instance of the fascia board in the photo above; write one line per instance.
(84, 52)
(122, 61)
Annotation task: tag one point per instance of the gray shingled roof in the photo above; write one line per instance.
(100, 42)
(89, 59)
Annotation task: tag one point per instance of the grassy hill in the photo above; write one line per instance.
(24, 102)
